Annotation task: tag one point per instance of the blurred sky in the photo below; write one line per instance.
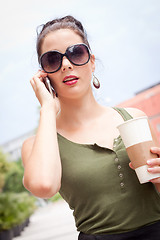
(124, 36)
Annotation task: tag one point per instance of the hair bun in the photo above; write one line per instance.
(70, 18)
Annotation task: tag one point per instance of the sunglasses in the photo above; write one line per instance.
(78, 54)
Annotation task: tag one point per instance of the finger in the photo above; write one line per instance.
(155, 180)
(155, 150)
(154, 169)
(33, 84)
(131, 166)
(36, 84)
(38, 80)
(153, 162)
(40, 75)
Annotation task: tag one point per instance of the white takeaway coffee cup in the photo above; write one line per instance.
(137, 139)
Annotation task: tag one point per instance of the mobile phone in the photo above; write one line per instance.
(49, 87)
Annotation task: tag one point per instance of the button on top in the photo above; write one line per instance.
(122, 184)
(116, 160)
(119, 166)
(121, 175)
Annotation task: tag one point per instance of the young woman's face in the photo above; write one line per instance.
(80, 76)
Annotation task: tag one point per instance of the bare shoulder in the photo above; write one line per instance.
(134, 112)
(27, 148)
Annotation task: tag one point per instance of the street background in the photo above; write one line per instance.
(52, 221)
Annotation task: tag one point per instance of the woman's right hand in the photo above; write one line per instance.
(43, 95)
(40, 154)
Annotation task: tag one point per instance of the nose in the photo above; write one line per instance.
(66, 64)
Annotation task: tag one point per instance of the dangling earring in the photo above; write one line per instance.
(96, 82)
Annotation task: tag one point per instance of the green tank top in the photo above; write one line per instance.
(101, 189)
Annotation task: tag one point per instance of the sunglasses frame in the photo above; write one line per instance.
(66, 55)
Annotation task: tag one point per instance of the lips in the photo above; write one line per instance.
(70, 78)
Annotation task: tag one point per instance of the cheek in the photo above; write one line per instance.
(91, 67)
(54, 78)
(88, 71)
(92, 63)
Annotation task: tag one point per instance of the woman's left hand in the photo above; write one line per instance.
(154, 164)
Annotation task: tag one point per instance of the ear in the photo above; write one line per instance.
(92, 59)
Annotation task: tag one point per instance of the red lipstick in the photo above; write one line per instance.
(70, 80)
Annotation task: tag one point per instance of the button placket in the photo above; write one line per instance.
(115, 143)
(120, 173)
(122, 184)
(119, 167)
(116, 160)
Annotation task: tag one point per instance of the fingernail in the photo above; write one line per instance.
(148, 162)
(153, 148)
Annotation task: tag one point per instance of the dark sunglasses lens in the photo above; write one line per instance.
(51, 61)
(78, 54)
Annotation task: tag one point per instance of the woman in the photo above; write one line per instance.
(77, 149)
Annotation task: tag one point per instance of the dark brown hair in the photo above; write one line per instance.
(67, 22)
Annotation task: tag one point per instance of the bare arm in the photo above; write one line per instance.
(40, 154)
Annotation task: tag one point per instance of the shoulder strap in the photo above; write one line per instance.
(126, 116)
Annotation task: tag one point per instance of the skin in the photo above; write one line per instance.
(81, 119)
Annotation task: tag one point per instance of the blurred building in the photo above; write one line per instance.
(147, 100)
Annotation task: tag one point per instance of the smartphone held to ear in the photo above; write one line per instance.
(49, 87)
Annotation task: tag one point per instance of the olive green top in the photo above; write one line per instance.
(103, 191)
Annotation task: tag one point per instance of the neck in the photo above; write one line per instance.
(75, 112)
